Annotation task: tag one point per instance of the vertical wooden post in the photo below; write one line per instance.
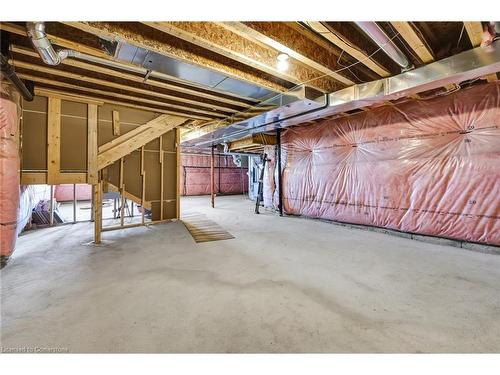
(97, 203)
(122, 193)
(53, 140)
(177, 177)
(116, 122)
(51, 220)
(92, 144)
(162, 172)
(212, 177)
(74, 203)
(92, 204)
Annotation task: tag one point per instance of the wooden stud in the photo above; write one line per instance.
(92, 204)
(122, 193)
(53, 140)
(51, 220)
(74, 203)
(116, 122)
(177, 175)
(162, 174)
(92, 144)
(97, 205)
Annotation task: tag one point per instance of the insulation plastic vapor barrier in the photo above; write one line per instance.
(421, 166)
(195, 175)
(9, 172)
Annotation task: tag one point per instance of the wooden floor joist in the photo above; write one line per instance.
(143, 36)
(34, 68)
(352, 50)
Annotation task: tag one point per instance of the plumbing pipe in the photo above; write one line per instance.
(280, 182)
(9, 73)
(385, 43)
(36, 32)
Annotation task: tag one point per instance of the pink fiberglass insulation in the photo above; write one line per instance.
(195, 175)
(9, 173)
(422, 166)
(64, 193)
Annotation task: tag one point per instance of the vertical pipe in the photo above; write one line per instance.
(51, 222)
(162, 176)
(212, 177)
(143, 195)
(280, 186)
(74, 203)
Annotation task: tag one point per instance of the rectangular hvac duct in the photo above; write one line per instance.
(461, 67)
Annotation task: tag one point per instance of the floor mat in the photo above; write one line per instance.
(203, 229)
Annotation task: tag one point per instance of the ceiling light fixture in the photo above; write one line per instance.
(282, 64)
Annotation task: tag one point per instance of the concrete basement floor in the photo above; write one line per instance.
(282, 285)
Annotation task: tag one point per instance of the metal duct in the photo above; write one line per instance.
(385, 43)
(36, 32)
(464, 66)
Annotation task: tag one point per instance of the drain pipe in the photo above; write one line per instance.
(36, 32)
(385, 43)
(9, 73)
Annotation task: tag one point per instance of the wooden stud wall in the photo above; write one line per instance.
(54, 118)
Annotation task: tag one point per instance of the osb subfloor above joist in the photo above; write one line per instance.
(144, 36)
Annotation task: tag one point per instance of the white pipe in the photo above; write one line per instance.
(36, 32)
(385, 43)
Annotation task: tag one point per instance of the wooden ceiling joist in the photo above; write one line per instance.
(277, 35)
(87, 76)
(19, 30)
(415, 40)
(135, 78)
(78, 97)
(223, 41)
(34, 68)
(475, 33)
(362, 56)
(98, 92)
(143, 36)
(252, 141)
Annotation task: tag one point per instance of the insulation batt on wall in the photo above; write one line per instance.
(422, 166)
(9, 170)
(195, 175)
